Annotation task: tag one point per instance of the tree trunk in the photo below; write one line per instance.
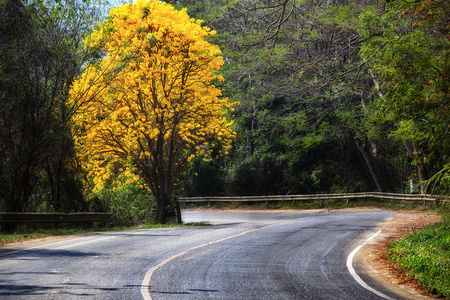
(414, 151)
(162, 211)
(250, 144)
(421, 168)
(374, 176)
(249, 131)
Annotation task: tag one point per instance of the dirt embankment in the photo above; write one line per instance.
(374, 256)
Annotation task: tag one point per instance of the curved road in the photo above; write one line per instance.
(245, 255)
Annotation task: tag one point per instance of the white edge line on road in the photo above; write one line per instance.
(356, 277)
(145, 286)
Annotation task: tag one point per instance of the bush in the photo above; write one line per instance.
(129, 201)
(258, 175)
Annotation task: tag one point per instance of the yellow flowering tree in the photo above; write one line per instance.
(150, 103)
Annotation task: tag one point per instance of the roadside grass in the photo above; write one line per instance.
(425, 256)
(21, 234)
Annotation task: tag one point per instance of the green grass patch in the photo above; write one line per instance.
(425, 256)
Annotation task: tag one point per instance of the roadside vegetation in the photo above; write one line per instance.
(425, 257)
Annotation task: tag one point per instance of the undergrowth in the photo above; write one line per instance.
(425, 256)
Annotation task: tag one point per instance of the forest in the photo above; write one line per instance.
(303, 97)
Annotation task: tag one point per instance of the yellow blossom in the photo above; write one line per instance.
(150, 100)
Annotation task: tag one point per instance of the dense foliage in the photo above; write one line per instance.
(334, 95)
(41, 51)
(411, 60)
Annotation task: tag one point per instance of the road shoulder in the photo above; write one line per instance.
(374, 254)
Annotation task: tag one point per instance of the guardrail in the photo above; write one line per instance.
(376, 195)
(25, 218)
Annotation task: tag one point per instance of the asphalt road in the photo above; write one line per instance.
(244, 255)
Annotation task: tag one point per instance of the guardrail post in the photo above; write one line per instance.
(178, 212)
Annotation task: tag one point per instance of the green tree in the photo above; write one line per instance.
(408, 47)
(317, 85)
(40, 52)
(299, 63)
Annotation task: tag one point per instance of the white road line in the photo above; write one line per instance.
(145, 291)
(356, 277)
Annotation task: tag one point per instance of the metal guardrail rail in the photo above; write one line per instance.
(24, 218)
(377, 195)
